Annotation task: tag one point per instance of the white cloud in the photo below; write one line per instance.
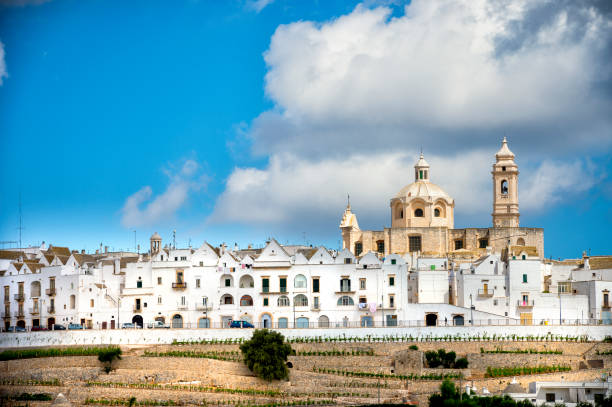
(140, 210)
(3, 73)
(458, 71)
(553, 182)
(312, 194)
(258, 5)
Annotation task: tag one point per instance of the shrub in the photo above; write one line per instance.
(107, 356)
(413, 347)
(266, 353)
(461, 363)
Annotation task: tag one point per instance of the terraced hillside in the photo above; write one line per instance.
(322, 373)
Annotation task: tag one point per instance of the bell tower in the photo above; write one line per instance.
(505, 189)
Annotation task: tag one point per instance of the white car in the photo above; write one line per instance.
(157, 324)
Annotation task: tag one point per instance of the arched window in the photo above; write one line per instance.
(323, 321)
(177, 321)
(504, 187)
(301, 322)
(399, 212)
(437, 212)
(226, 280)
(283, 301)
(418, 213)
(35, 289)
(246, 301)
(246, 281)
(300, 281)
(520, 242)
(300, 300)
(345, 300)
(227, 299)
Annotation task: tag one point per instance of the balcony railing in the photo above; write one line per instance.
(51, 309)
(179, 285)
(203, 307)
(606, 305)
(19, 297)
(35, 311)
(485, 293)
(182, 306)
(524, 304)
(50, 292)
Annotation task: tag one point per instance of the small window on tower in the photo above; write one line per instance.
(504, 187)
(358, 248)
(418, 213)
(503, 168)
(458, 244)
(483, 243)
(437, 213)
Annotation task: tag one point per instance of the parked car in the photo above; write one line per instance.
(15, 329)
(128, 325)
(39, 328)
(75, 326)
(241, 324)
(157, 324)
(58, 327)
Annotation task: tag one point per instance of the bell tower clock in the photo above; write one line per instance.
(505, 189)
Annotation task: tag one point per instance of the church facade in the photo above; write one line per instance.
(422, 220)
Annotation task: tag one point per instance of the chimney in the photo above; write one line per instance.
(250, 246)
(236, 248)
(97, 251)
(585, 259)
(105, 249)
(83, 251)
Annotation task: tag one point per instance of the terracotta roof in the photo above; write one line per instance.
(10, 254)
(600, 262)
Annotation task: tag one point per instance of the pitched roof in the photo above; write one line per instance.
(600, 262)
(33, 265)
(83, 258)
(60, 251)
(125, 260)
(49, 257)
(10, 254)
(530, 250)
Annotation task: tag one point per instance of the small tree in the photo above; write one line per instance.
(266, 353)
(108, 356)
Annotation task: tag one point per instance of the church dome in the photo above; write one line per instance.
(425, 190)
(156, 236)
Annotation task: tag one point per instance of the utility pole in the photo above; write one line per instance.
(135, 247)
(174, 239)
(20, 221)
(471, 311)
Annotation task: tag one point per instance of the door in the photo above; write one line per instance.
(458, 320)
(301, 322)
(225, 322)
(266, 321)
(485, 288)
(283, 323)
(50, 323)
(367, 321)
(526, 318)
(431, 320)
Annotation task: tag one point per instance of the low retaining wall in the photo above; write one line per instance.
(163, 336)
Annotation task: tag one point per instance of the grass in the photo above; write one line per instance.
(146, 402)
(524, 370)
(527, 351)
(225, 355)
(350, 373)
(53, 352)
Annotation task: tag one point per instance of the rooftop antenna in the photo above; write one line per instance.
(348, 200)
(135, 245)
(174, 239)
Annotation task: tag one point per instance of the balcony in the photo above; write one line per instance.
(35, 311)
(606, 306)
(485, 293)
(51, 309)
(524, 304)
(6, 315)
(50, 292)
(182, 306)
(137, 308)
(19, 297)
(179, 285)
(203, 307)
(19, 313)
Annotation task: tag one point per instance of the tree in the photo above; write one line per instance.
(266, 353)
(450, 396)
(108, 356)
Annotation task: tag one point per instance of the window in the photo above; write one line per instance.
(399, 213)
(458, 244)
(414, 243)
(362, 283)
(197, 283)
(363, 300)
(437, 213)
(283, 322)
(201, 264)
(358, 248)
(564, 287)
(550, 397)
(159, 280)
(391, 301)
(179, 277)
(159, 299)
(227, 300)
(300, 281)
(183, 258)
(283, 284)
(183, 300)
(316, 303)
(345, 285)
(393, 261)
(391, 281)
(345, 300)
(504, 187)
(524, 278)
(315, 285)
(176, 259)
(380, 246)
(300, 300)
(265, 302)
(348, 260)
(606, 302)
(418, 213)
(91, 303)
(494, 302)
(228, 282)
(246, 301)
(72, 301)
(265, 285)
(139, 283)
(483, 243)
(283, 301)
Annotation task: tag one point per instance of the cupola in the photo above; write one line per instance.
(421, 170)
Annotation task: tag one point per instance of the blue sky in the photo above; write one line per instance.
(234, 121)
